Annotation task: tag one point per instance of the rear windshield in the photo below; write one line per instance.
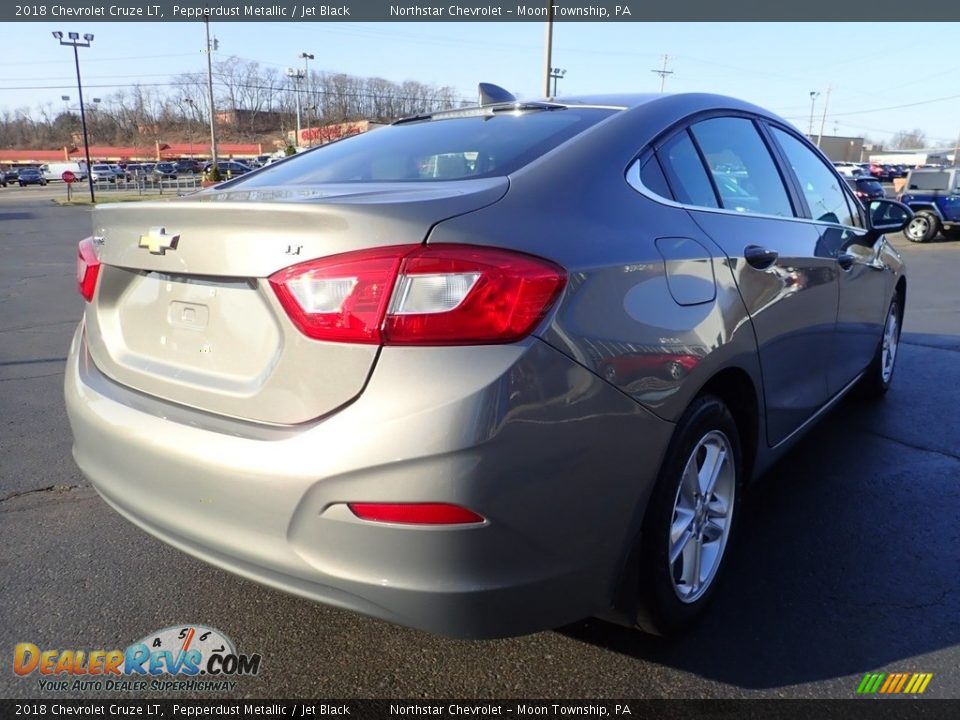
(929, 181)
(869, 185)
(430, 150)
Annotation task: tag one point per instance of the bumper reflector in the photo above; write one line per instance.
(415, 513)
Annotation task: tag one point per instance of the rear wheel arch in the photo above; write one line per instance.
(734, 387)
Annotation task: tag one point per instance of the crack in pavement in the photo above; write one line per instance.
(939, 600)
(31, 377)
(912, 446)
(59, 488)
(932, 347)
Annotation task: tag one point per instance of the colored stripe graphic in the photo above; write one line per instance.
(894, 683)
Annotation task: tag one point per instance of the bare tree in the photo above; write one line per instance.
(909, 139)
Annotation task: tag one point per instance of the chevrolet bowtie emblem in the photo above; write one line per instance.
(158, 242)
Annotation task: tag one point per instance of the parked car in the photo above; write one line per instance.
(934, 196)
(30, 176)
(467, 374)
(229, 168)
(103, 173)
(188, 167)
(164, 171)
(866, 189)
(849, 169)
(120, 172)
(10, 175)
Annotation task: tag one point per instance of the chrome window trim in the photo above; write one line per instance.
(633, 180)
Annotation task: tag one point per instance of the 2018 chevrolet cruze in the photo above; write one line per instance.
(484, 371)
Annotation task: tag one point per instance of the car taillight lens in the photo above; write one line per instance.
(415, 513)
(88, 268)
(422, 295)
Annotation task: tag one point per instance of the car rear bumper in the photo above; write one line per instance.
(558, 461)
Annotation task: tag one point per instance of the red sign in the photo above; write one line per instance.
(68, 177)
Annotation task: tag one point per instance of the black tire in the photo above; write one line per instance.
(660, 608)
(877, 377)
(923, 227)
(23, 184)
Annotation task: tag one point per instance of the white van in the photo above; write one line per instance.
(54, 171)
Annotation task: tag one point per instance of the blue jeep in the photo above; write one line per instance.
(934, 196)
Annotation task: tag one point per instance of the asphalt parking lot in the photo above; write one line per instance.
(847, 561)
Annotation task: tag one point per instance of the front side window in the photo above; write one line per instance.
(820, 185)
(743, 170)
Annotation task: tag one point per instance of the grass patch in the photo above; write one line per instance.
(103, 199)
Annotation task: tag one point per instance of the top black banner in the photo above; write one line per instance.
(479, 11)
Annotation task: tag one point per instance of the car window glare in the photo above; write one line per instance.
(435, 150)
(821, 187)
(743, 170)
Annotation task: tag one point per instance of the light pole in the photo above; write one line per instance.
(307, 57)
(813, 101)
(74, 42)
(296, 76)
(556, 74)
(214, 167)
(548, 48)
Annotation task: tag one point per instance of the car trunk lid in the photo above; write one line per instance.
(183, 310)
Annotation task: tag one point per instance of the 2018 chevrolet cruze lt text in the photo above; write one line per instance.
(485, 371)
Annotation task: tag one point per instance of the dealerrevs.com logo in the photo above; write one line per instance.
(186, 657)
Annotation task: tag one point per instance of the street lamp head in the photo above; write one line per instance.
(88, 37)
(306, 55)
(96, 100)
(73, 35)
(57, 35)
(65, 98)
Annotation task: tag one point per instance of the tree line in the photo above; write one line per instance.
(262, 101)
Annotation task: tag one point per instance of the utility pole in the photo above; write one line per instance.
(213, 127)
(548, 50)
(813, 101)
(307, 57)
(823, 120)
(663, 72)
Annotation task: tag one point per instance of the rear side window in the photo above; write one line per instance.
(479, 145)
(743, 170)
(652, 177)
(820, 185)
(685, 172)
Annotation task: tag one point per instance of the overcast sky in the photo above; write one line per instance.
(885, 77)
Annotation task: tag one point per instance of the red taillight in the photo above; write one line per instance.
(415, 513)
(422, 295)
(88, 268)
(341, 298)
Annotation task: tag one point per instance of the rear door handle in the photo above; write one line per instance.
(846, 260)
(760, 257)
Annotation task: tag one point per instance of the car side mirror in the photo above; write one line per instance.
(887, 216)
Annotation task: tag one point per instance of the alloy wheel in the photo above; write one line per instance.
(891, 341)
(702, 516)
